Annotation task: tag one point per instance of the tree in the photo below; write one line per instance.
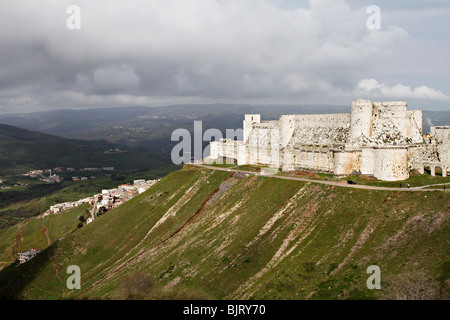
(101, 211)
(137, 286)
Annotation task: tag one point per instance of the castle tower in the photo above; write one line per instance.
(391, 164)
(248, 122)
(360, 119)
(395, 112)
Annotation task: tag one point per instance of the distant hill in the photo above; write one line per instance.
(151, 127)
(208, 234)
(22, 150)
(435, 118)
(82, 123)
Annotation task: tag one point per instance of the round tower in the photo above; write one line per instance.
(360, 119)
(391, 164)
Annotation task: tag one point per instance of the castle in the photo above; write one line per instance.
(380, 139)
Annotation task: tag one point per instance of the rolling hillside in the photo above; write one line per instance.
(145, 127)
(23, 150)
(209, 234)
(38, 232)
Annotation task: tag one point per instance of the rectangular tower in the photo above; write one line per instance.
(248, 122)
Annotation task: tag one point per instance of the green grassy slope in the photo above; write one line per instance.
(262, 238)
(22, 202)
(31, 233)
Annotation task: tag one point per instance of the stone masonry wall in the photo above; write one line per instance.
(382, 139)
(391, 164)
(328, 129)
(347, 163)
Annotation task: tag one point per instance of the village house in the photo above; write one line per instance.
(108, 198)
(25, 256)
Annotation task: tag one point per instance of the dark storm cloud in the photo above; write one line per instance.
(176, 51)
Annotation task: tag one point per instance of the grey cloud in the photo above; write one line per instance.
(176, 50)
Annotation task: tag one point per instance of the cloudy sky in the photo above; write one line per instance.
(159, 52)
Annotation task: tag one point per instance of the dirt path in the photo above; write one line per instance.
(94, 208)
(330, 183)
(57, 275)
(45, 230)
(16, 247)
(436, 185)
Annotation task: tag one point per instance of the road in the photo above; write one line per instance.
(331, 183)
(94, 208)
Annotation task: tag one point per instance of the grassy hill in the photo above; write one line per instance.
(22, 150)
(22, 202)
(210, 234)
(32, 232)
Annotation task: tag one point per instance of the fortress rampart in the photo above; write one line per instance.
(382, 139)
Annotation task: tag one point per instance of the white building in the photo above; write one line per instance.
(25, 256)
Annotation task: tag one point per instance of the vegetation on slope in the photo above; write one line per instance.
(20, 203)
(38, 232)
(261, 238)
(23, 150)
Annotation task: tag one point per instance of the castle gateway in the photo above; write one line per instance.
(381, 139)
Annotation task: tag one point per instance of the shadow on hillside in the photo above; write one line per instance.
(15, 278)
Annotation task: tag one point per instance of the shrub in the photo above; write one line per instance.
(137, 286)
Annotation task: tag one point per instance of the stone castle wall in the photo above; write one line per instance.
(382, 139)
(327, 129)
(391, 164)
